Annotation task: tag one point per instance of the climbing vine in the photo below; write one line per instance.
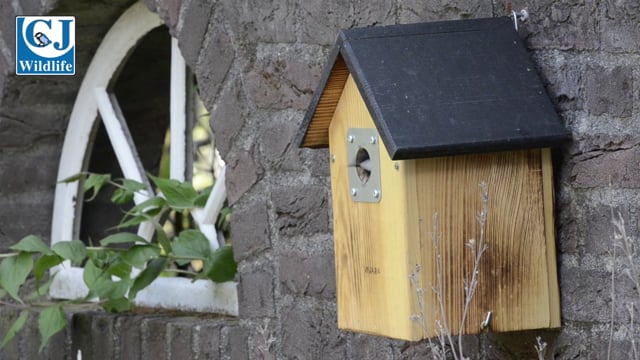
(117, 267)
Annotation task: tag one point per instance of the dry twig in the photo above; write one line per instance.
(477, 248)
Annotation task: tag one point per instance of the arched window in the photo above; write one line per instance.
(120, 123)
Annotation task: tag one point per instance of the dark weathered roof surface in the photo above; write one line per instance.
(446, 88)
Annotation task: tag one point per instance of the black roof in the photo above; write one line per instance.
(446, 88)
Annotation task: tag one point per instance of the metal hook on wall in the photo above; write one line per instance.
(521, 15)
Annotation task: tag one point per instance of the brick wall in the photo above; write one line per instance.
(257, 64)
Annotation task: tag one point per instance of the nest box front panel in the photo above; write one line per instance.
(370, 226)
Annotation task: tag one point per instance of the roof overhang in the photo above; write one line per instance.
(440, 88)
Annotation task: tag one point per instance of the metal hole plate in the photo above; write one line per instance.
(369, 140)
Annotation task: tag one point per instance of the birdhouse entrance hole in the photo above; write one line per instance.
(363, 165)
(363, 152)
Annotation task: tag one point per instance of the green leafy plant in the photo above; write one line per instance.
(122, 264)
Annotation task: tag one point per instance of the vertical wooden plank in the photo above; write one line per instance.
(372, 262)
(550, 232)
(513, 273)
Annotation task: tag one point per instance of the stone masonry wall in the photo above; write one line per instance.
(258, 63)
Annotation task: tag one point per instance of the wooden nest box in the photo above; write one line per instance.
(416, 117)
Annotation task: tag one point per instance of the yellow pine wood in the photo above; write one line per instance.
(370, 236)
(518, 278)
(514, 271)
(317, 134)
(550, 231)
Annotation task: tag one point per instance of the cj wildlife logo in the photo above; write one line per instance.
(45, 45)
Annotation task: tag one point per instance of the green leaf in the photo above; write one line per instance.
(124, 196)
(90, 274)
(162, 237)
(146, 277)
(138, 255)
(120, 269)
(16, 327)
(220, 266)
(117, 305)
(224, 219)
(72, 178)
(32, 244)
(100, 257)
(191, 244)
(147, 206)
(40, 291)
(95, 182)
(51, 321)
(106, 288)
(132, 221)
(121, 197)
(73, 250)
(143, 212)
(13, 273)
(201, 199)
(101, 284)
(3, 293)
(122, 238)
(179, 195)
(133, 186)
(44, 263)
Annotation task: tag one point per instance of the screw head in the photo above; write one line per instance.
(376, 193)
(354, 191)
(333, 158)
(351, 138)
(372, 140)
(396, 166)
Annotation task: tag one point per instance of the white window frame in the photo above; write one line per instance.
(93, 99)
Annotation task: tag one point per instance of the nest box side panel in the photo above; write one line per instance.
(515, 280)
(550, 231)
(372, 252)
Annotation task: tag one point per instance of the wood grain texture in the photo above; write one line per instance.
(550, 231)
(377, 245)
(514, 279)
(317, 134)
(372, 254)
